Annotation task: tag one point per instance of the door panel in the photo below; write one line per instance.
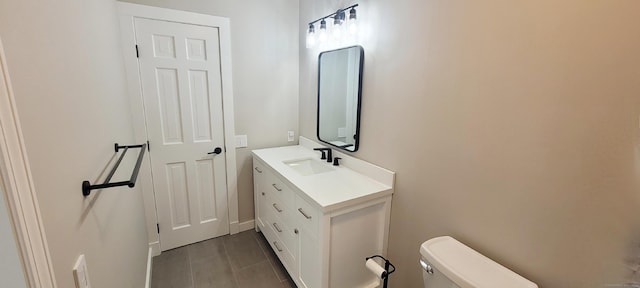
(182, 91)
(200, 101)
(169, 100)
(177, 193)
(207, 201)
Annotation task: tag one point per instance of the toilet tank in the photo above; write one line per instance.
(447, 263)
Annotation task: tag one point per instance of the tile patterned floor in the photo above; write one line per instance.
(233, 261)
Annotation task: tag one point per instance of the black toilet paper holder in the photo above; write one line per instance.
(387, 272)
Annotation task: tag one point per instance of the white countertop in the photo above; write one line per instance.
(329, 190)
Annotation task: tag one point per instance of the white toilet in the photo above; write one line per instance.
(447, 263)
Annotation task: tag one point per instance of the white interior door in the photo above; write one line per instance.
(182, 91)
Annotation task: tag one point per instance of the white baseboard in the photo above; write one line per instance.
(247, 225)
(149, 266)
(155, 248)
(233, 227)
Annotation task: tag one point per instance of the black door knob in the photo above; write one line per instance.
(216, 151)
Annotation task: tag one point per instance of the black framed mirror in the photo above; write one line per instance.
(339, 97)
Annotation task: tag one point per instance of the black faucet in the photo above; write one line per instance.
(327, 156)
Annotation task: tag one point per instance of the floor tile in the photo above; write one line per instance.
(232, 261)
(213, 272)
(171, 269)
(243, 250)
(207, 249)
(258, 275)
(281, 272)
(178, 254)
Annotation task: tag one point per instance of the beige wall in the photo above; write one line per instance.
(512, 126)
(264, 51)
(68, 77)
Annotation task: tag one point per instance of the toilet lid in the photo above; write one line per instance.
(468, 268)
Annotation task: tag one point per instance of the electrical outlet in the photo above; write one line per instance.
(80, 273)
(290, 136)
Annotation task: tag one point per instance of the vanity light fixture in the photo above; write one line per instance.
(339, 28)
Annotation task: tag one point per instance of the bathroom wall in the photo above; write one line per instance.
(264, 48)
(68, 77)
(512, 126)
(10, 266)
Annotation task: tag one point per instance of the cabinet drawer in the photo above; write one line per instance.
(280, 191)
(258, 169)
(307, 215)
(260, 175)
(284, 253)
(288, 234)
(282, 210)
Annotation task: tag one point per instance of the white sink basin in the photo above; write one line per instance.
(308, 166)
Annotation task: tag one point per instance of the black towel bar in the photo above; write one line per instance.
(87, 187)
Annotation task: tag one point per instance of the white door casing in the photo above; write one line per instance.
(192, 83)
(17, 183)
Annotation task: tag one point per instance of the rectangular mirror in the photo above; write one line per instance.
(339, 94)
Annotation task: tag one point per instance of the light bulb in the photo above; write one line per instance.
(311, 40)
(336, 30)
(311, 37)
(322, 35)
(353, 22)
(338, 19)
(353, 27)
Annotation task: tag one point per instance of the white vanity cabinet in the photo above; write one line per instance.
(274, 216)
(321, 237)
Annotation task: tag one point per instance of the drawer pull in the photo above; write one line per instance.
(304, 214)
(276, 206)
(258, 169)
(277, 247)
(275, 225)
(262, 193)
(274, 186)
(296, 231)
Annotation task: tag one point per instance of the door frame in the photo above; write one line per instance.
(17, 183)
(127, 14)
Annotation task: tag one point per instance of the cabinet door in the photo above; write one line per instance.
(309, 257)
(309, 260)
